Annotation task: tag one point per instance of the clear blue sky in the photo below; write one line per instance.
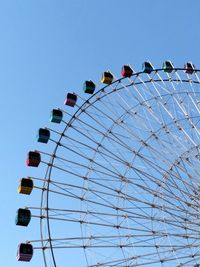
(50, 47)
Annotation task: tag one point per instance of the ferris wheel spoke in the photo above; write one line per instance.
(155, 219)
(62, 166)
(127, 196)
(134, 216)
(137, 220)
(146, 257)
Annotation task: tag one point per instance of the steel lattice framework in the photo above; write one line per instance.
(123, 182)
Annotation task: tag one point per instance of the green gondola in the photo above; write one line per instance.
(168, 66)
(89, 87)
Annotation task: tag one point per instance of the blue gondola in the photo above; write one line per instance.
(147, 67)
(23, 217)
(56, 116)
(43, 135)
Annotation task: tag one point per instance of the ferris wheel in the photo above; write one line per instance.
(122, 184)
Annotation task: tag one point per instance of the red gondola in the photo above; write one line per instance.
(33, 159)
(71, 99)
(127, 71)
(190, 68)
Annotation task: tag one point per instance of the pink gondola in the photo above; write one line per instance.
(24, 252)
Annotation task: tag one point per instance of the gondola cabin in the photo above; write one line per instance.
(189, 68)
(107, 77)
(89, 87)
(24, 252)
(25, 186)
(71, 99)
(168, 66)
(23, 217)
(56, 116)
(147, 67)
(43, 135)
(33, 159)
(126, 71)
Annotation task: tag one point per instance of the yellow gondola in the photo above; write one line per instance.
(107, 77)
(25, 186)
